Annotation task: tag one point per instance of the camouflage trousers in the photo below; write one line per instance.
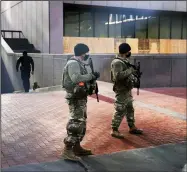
(123, 107)
(76, 126)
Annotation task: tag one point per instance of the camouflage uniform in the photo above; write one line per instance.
(74, 73)
(124, 81)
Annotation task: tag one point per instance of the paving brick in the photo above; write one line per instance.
(165, 98)
(33, 126)
(6, 165)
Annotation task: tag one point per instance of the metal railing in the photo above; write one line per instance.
(11, 34)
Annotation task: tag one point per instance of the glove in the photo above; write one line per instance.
(133, 71)
(96, 74)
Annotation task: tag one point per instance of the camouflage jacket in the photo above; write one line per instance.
(122, 75)
(74, 72)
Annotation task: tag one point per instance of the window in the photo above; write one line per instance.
(71, 24)
(134, 23)
(184, 29)
(176, 27)
(86, 24)
(101, 24)
(153, 27)
(165, 27)
(118, 25)
(112, 25)
(141, 27)
(128, 26)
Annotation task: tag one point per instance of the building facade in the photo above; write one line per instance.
(46, 23)
(116, 22)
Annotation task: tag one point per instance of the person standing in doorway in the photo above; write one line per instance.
(26, 64)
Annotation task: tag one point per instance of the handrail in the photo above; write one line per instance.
(3, 33)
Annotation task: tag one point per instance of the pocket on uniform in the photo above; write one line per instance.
(119, 107)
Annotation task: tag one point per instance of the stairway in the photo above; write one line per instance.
(19, 44)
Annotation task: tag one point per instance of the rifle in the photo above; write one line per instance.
(92, 82)
(137, 75)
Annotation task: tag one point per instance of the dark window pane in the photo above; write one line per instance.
(101, 24)
(164, 27)
(112, 25)
(141, 27)
(118, 25)
(153, 27)
(128, 26)
(184, 30)
(86, 24)
(71, 24)
(176, 27)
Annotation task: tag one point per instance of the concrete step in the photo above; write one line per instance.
(170, 158)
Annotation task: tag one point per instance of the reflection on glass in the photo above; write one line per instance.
(101, 24)
(128, 26)
(112, 25)
(176, 28)
(86, 24)
(153, 27)
(118, 25)
(164, 27)
(184, 30)
(141, 26)
(71, 24)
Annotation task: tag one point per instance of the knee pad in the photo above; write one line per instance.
(76, 127)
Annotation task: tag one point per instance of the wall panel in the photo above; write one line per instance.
(156, 5)
(180, 5)
(169, 5)
(32, 18)
(29, 18)
(24, 12)
(34, 26)
(45, 27)
(143, 4)
(114, 3)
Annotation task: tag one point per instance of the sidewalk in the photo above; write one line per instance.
(157, 159)
(33, 125)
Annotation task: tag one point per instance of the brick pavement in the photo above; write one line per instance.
(33, 126)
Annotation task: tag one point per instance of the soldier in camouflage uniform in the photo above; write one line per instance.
(124, 81)
(76, 81)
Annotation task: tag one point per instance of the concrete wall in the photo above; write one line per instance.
(31, 17)
(154, 5)
(158, 71)
(42, 21)
(10, 79)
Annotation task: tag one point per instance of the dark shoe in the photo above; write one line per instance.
(68, 154)
(135, 130)
(80, 151)
(117, 134)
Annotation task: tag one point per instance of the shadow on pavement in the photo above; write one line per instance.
(171, 157)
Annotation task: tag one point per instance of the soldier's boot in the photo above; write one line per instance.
(134, 130)
(117, 134)
(68, 154)
(80, 151)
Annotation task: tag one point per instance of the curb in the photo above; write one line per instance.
(44, 89)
